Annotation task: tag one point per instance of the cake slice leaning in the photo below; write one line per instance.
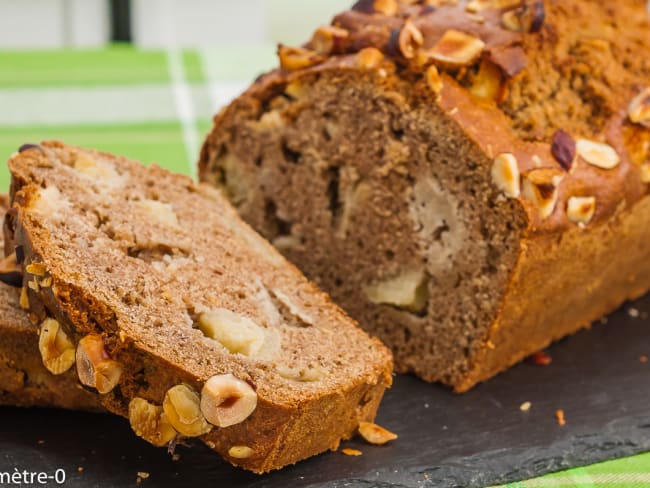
(180, 316)
(24, 381)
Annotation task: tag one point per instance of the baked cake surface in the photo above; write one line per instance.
(182, 317)
(468, 179)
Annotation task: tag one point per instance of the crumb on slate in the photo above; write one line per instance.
(559, 415)
(524, 407)
(351, 452)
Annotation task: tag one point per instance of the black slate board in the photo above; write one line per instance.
(476, 439)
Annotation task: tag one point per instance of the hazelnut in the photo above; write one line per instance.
(476, 6)
(409, 40)
(580, 210)
(540, 186)
(24, 299)
(434, 81)
(305, 374)
(369, 58)
(456, 49)
(597, 153)
(94, 367)
(150, 422)
(408, 290)
(639, 108)
(511, 21)
(227, 400)
(328, 39)
(36, 269)
(488, 82)
(375, 434)
(505, 174)
(295, 58)
(645, 172)
(57, 351)
(240, 452)
(237, 333)
(386, 7)
(182, 407)
(563, 148)
(295, 89)
(162, 213)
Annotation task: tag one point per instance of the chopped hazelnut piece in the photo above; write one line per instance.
(645, 172)
(434, 81)
(375, 434)
(182, 407)
(328, 39)
(240, 452)
(505, 174)
(540, 186)
(475, 6)
(227, 400)
(511, 21)
(386, 7)
(580, 210)
(150, 422)
(597, 153)
(488, 82)
(56, 348)
(456, 49)
(369, 58)
(37, 269)
(639, 109)
(295, 58)
(525, 407)
(409, 40)
(94, 367)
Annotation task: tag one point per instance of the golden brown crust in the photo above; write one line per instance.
(292, 420)
(521, 56)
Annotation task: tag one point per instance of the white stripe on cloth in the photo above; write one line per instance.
(77, 105)
(184, 107)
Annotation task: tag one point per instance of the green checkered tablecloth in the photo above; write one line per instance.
(157, 106)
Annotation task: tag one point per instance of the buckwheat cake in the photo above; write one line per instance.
(180, 316)
(24, 381)
(468, 179)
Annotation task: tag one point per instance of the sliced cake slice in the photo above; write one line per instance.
(182, 317)
(24, 380)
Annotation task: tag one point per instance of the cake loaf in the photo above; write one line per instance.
(468, 179)
(24, 381)
(180, 316)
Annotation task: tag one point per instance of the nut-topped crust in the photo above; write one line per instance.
(24, 379)
(416, 35)
(443, 124)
